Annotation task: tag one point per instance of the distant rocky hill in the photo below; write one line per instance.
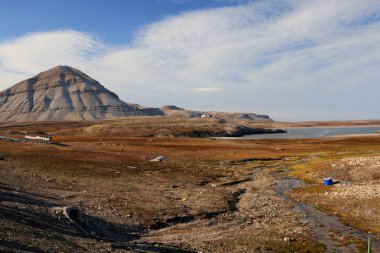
(172, 110)
(64, 93)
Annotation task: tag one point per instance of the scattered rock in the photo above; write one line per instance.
(159, 159)
(48, 179)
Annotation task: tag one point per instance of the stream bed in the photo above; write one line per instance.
(327, 229)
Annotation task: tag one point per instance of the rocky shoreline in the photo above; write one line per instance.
(238, 131)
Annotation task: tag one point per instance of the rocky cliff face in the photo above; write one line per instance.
(64, 93)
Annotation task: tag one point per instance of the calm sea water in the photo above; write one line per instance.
(315, 132)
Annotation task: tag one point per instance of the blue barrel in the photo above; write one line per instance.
(328, 181)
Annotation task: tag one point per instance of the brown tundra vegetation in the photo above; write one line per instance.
(95, 189)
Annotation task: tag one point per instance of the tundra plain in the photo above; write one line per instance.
(210, 195)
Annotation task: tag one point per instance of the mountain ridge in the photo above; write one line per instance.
(64, 93)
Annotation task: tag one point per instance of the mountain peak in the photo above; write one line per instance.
(63, 73)
(62, 93)
(65, 69)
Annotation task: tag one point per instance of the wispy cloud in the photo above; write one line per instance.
(300, 58)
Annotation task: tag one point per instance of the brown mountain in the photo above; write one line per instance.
(64, 93)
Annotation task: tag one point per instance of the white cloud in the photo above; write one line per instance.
(278, 57)
(35, 52)
(206, 89)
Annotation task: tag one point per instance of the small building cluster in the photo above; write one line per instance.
(38, 139)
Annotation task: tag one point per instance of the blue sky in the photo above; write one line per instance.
(114, 21)
(291, 59)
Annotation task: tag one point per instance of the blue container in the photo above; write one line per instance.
(328, 181)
